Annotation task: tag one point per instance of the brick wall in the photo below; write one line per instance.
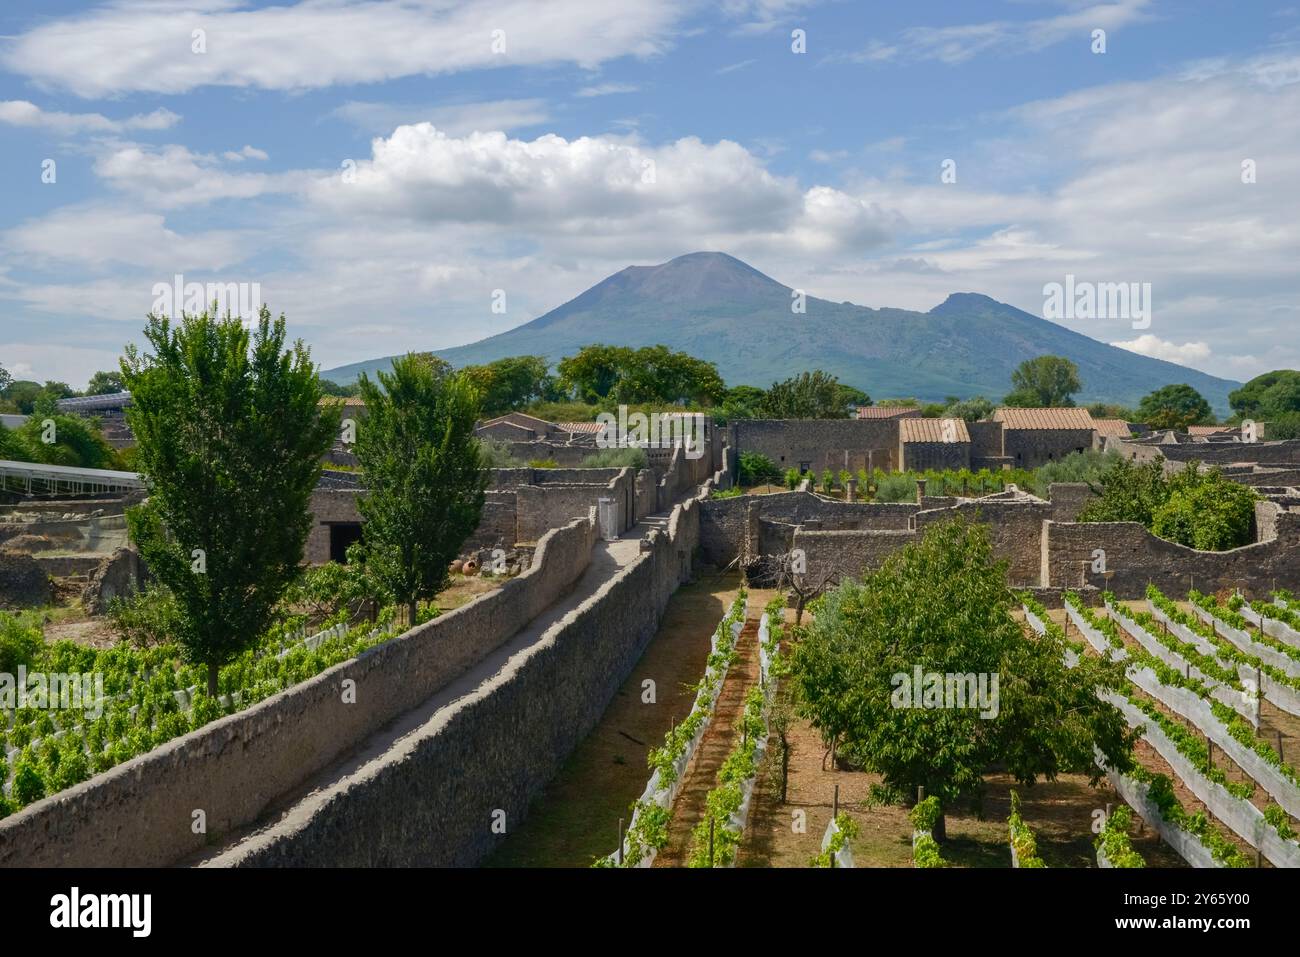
(820, 442)
(1030, 448)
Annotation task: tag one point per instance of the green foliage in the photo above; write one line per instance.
(925, 852)
(925, 815)
(149, 618)
(512, 383)
(230, 439)
(424, 474)
(21, 640)
(724, 801)
(1268, 396)
(1022, 838)
(740, 402)
(649, 831)
(1047, 381)
(338, 592)
(1199, 509)
(631, 457)
(496, 454)
(828, 481)
(1089, 466)
(942, 604)
(541, 464)
(846, 829)
(1114, 842)
(755, 468)
(337, 390)
(811, 395)
(792, 479)
(1174, 407)
(648, 374)
(105, 383)
(77, 442)
(734, 492)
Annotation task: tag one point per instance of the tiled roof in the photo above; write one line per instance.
(1112, 428)
(932, 430)
(521, 419)
(349, 400)
(1208, 429)
(887, 411)
(1058, 419)
(585, 428)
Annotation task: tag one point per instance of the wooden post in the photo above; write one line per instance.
(1280, 757)
(835, 804)
(1209, 745)
(620, 842)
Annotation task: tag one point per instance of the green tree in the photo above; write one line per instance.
(1128, 492)
(1046, 381)
(56, 438)
(1174, 407)
(509, 384)
(424, 474)
(809, 395)
(23, 393)
(1109, 410)
(592, 373)
(1205, 510)
(741, 402)
(972, 410)
(5, 380)
(942, 604)
(105, 383)
(754, 468)
(1267, 396)
(230, 441)
(338, 390)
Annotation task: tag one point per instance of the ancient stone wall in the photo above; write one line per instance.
(1030, 448)
(138, 814)
(1134, 557)
(490, 753)
(820, 443)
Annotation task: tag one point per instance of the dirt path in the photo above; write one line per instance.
(720, 738)
(576, 819)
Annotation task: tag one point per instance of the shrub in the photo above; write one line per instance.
(754, 468)
(497, 455)
(792, 479)
(148, 618)
(896, 487)
(616, 459)
(21, 641)
(543, 464)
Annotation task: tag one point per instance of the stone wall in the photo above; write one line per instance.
(822, 443)
(497, 525)
(1030, 448)
(847, 554)
(985, 440)
(1134, 557)
(1068, 500)
(431, 800)
(329, 506)
(1015, 530)
(138, 814)
(1221, 453)
(919, 456)
(540, 508)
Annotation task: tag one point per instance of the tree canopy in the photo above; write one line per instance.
(1273, 397)
(230, 441)
(941, 605)
(649, 374)
(424, 474)
(512, 383)
(1042, 382)
(811, 395)
(1174, 407)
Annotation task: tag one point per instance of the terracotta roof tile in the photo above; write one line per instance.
(1113, 428)
(932, 430)
(1054, 419)
(887, 412)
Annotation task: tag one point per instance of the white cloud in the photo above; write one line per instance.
(26, 113)
(127, 46)
(953, 45)
(457, 118)
(607, 89)
(248, 152)
(1186, 354)
(171, 176)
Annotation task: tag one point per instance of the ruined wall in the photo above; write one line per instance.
(1030, 448)
(1068, 500)
(497, 525)
(1221, 453)
(328, 506)
(847, 554)
(870, 443)
(495, 749)
(1134, 557)
(543, 507)
(985, 440)
(919, 456)
(1015, 530)
(138, 813)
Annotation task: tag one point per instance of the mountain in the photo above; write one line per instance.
(716, 307)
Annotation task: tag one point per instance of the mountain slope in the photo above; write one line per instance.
(716, 307)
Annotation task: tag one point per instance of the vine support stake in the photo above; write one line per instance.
(835, 804)
(1281, 759)
(620, 842)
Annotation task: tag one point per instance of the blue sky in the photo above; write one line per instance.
(607, 134)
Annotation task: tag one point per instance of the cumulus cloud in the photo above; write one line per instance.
(172, 175)
(26, 113)
(1186, 354)
(601, 188)
(127, 46)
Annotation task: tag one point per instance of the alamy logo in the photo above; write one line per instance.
(133, 911)
(659, 430)
(932, 690)
(240, 299)
(53, 691)
(1098, 300)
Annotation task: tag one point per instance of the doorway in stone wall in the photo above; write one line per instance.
(343, 534)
